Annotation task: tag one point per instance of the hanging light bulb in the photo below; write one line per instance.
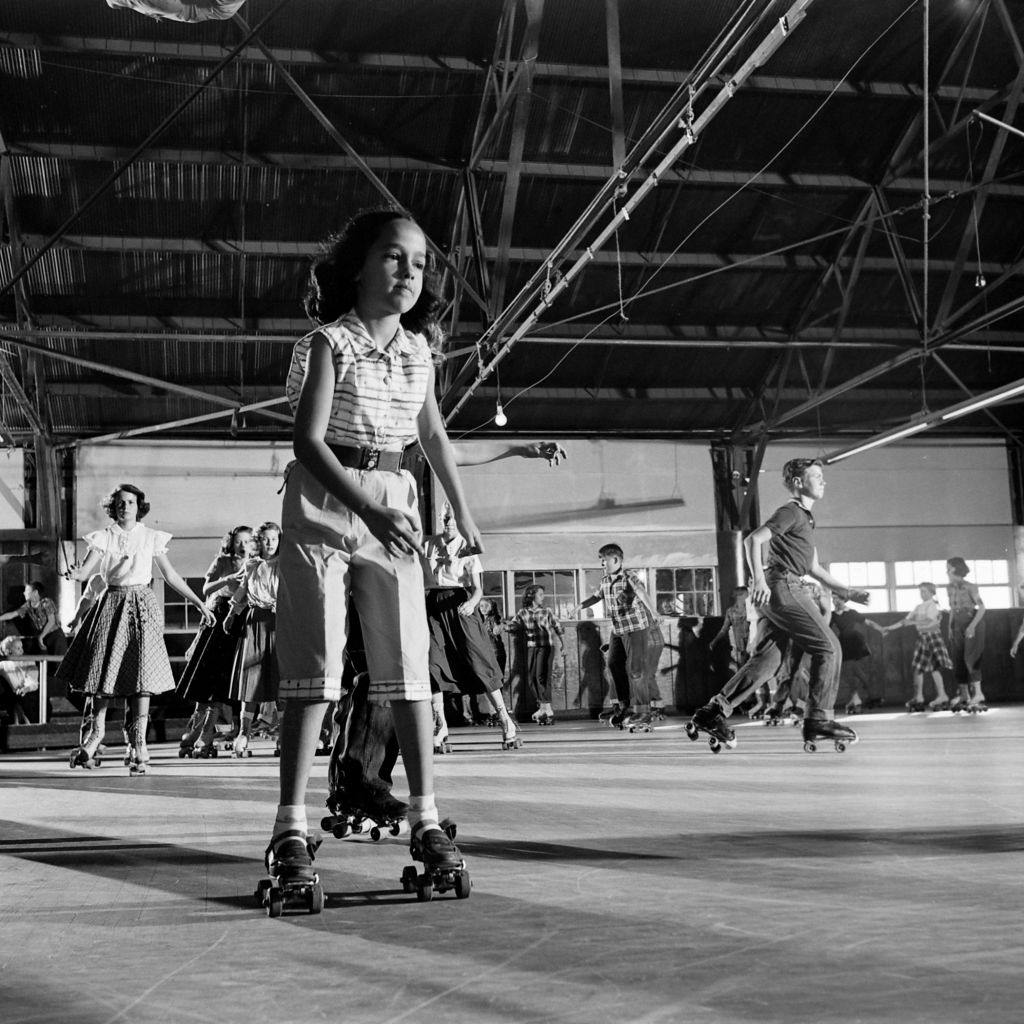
(500, 419)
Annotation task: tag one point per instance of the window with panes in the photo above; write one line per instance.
(869, 576)
(559, 589)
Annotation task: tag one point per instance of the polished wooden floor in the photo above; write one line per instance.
(616, 878)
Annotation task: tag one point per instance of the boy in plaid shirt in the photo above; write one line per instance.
(538, 627)
(636, 641)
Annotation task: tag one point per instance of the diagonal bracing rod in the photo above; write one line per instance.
(689, 128)
(328, 126)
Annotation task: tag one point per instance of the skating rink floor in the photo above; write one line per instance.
(615, 878)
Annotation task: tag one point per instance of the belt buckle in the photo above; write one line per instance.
(371, 456)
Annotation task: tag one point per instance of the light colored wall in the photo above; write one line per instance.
(197, 491)
(925, 500)
(655, 498)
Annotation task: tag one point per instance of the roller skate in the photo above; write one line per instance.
(607, 714)
(914, 706)
(854, 708)
(710, 720)
(510, 738)
(959, 705)
(758, 709)
(544, 715)
(443, 865)
(374, 813)
(657, 711)
(87, 753)
(441, 743)
(814, 729)
(138, 763)
(639, 722)
(976, 705)
(774, 714)
(192, 732)
(939, 704)
(292, 883)
(126, 731)
(240, 746)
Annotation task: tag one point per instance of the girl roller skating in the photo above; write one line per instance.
(206, 677)
(119, 650)
(361, 387)
(254, 672)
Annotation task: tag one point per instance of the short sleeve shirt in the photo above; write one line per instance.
(926, 616)
(127, 554)
(627, 612)
(446, 567)
(259, 588)
(791, 548)
(377, 393)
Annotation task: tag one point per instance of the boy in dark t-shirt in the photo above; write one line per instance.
(789, 614)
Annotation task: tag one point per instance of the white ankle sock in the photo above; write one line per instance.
(422, 812)
(290, 817)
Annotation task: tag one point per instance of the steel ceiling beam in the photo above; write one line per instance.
(125, 374)
(717, 336)
(149, 139)
(292, 250)
(940, 341)
(405, 62)
(702, 177)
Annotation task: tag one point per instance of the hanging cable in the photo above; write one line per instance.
(925, 200)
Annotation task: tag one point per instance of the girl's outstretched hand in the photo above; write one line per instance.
(398, 531)
(470, 533)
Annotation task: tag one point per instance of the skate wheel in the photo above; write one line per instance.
(810, 747)
(425, 889)
(340, 831)
(840, 746)
(316, 898)
(715, 746)
(327, 824)
(96, 762)
(691, 730)
(395, 828)
(275, 903)
(463, 885)
(375, 834)
(409, 879)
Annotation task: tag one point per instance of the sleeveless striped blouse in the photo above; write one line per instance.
(377, 394)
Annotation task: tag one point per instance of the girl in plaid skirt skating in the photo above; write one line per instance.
(119, 650)
(930, 654)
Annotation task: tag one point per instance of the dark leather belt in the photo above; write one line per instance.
(372, 458)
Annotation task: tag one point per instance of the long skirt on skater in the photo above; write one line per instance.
(206, 677)
(461, 654)
(254, 673)
(120, 650)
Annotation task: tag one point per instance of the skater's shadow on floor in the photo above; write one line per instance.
(517, 849)
(332, 900)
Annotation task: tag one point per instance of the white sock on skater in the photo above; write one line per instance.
(422, 813)
(290, 817)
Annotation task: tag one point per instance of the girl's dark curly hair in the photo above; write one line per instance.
(107, 504)
(332, 289)
(530, 595)
(227, 544)
(958, 567)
